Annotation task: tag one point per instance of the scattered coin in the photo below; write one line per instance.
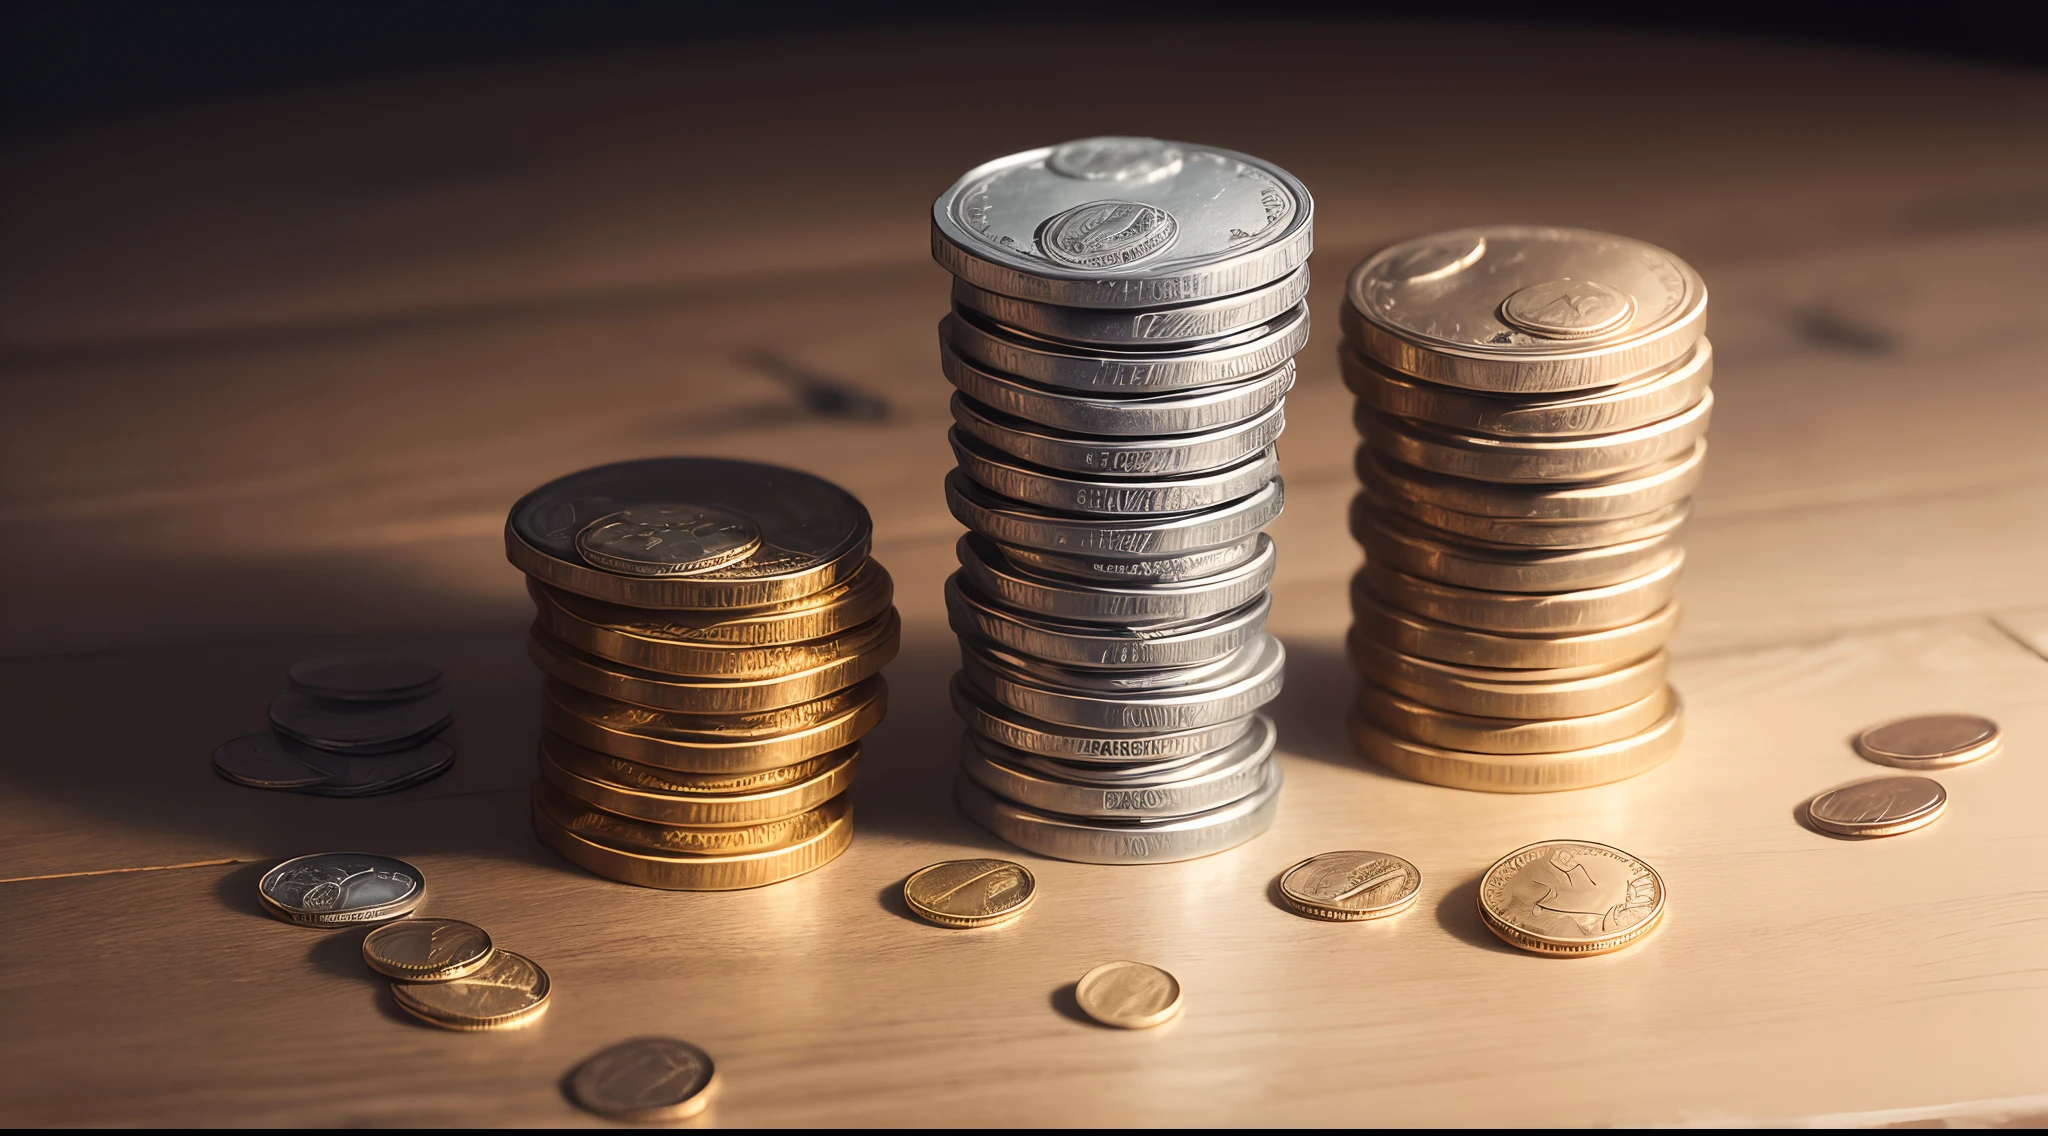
(347, 726)
(1129, 995)
(970, 893)
(426, 950)
(1570, 897)
(265, 761)
(341, 889)
(1350, 887)
(367, 678)
(1930, 741)
(355, 726)
(508, 991)
(1879, 806)
(647, 1079)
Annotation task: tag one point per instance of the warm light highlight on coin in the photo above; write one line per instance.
(426, 950)
(1930, 741)
(970, 893)
(1129, 995)
(507, 992)
(1570, 897)
(1350, 886)
(668, 540)
(1879, 806)
(646, 1079)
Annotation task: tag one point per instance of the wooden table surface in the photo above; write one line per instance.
(274, 368)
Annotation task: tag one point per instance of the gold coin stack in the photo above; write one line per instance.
(1534, 408)
(712, 634)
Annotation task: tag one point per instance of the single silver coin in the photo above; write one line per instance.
(1139, 327)
(668, 539)
(341, 889)
(1122, 223)
(359, 727)
(1180, 454)
(1253, 683)
(1632, 494)
(1209, 782)
(1126, 415)
(365, 678)
(1102, 370)
(1601, 411)
(1138, 569)
(1125, 647)
(351, 775)
(1011, 523)
(1097, 840)
(1111, 496)
(1591, 457)
(991, 573)
(266, 761)
(1525, 309)
(1005, 726)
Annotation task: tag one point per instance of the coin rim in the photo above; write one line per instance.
(1558, 946)
(1304, 906)
(468, 1023)
(454, 970)
(968, 922)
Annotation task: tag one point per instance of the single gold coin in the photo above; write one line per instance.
(1412, 721)
(508, 991)
(601, 827)
(1524, 773)
(715, 743)
(1348, 887)
(1129, 995)
(646, 1080)
(426, 950)
(649, 795)
(669, 539)
(646, 639)
(693, 872)
(1520, 613)
(1571, 898)
(867, 651)
(1490, 692)
(1930, 741)
(970, 893)
(1879, 806)
(1412, 634)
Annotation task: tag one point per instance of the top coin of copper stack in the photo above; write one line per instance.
(1534, 405)
(712, 634)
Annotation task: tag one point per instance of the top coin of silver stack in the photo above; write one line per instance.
(1534, 407)
(1125, 317)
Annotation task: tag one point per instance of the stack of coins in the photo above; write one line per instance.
(712, 634)
(347, 726)
(1534, 406)
(1125, 316)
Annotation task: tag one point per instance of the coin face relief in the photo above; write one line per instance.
(1350, 886)
(1930, 741)
(970, 893)
(507, 992)
(1108, 234)
(337, 889)
(426, 950)
(1879, 806)
(1566, 897)
(1133, 161)
(668, 540)
(1129, 995)
(646, 1079)
(1567, 309)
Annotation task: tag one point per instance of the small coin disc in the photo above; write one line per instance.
(341, 889)
(426, 950)
(970, 893)
(1571, 898)
(1129, 995)
(1349, 887)
(1566, 309)
(668, 540)
(365, 678)
(265, 761)
(1930, 741)
(646, 1079)
(1878, 806)
(507, 992)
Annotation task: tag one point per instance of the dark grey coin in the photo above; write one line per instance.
(1102, 370)
(975, 616)
(1013, 523)
(369, 775)
(340, 889)
(1100, 495)
(1138, 569)
(359, 727)
(1171, 455)
(365, 678)
(1001, 724)
(266, 761)
(1124, 415)
(1177, 324)
(645, 1079)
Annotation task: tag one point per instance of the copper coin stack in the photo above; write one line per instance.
(712, 634)
(1534, 408)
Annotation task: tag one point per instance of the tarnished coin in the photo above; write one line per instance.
(508, 991)
(365, 678)
(1347, 887)
(1879, 806)
(1570, 897)
(1930, 741)
(359, 727)
(426, 950)
(668, 539)
(1129, 995)
(265, 761)
(812, 533)
(970, 893)
(646, 1080)
(341, 889)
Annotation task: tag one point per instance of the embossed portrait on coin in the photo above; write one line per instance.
(1108, 234)
(1572, 896)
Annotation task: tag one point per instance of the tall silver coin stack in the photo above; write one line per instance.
(1534, 407)
(1125, 316)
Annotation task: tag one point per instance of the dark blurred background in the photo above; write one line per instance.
(67, 58)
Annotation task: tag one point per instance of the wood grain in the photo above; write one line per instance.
(274, 368)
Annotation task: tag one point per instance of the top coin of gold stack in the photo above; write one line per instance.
(712, 634)
(1534, 407)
